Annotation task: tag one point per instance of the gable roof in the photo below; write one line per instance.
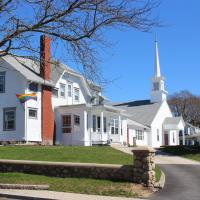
(172, 120)
(29, 73)
(30, 69)
(141, 111)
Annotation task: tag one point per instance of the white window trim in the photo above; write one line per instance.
(69, 84)
(139, 135)
(35, 109)
(76, 100)
(62, 84)
(4, 113)
(114, 125)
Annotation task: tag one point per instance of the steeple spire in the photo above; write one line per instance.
(157, 63)
(158, 92)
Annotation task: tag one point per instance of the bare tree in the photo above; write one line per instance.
(77, 23)
(186, 104)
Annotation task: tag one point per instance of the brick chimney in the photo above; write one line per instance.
(46, 104)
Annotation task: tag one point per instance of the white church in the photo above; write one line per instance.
(61, 107)
(156, 125)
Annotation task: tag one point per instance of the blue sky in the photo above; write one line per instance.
(130, 61)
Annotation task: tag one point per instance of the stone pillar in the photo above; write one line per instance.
(144, 165)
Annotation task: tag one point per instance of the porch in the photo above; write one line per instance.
(172, 127)
(87, 125)
(107, 125)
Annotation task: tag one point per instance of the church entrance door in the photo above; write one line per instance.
(166, 138)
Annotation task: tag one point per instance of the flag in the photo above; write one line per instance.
(25, 97)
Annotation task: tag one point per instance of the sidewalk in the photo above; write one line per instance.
(39, 194)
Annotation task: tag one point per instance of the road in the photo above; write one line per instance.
(182, 178)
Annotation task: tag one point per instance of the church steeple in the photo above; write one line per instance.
(158, 93)
(157, 63)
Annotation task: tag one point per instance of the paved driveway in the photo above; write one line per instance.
(182, 178)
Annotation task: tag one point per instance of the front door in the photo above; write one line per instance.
(115, 132)
(166, 138)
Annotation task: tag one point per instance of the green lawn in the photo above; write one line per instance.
(106, 155)
(158, 173)
(75, 185)
(184, 151)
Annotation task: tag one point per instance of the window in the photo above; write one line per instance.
(104, 125)
(62, 90)
(66, 124)
(98, 124)
(55, 92)
(9, 115)
(155, 86)
(2, 82)
(114, 126)
(32, 113)
(76, 120)
(33, 87)
(76, 94)
(94, 122)
(69, 90)
(139, 135)
(158, 136)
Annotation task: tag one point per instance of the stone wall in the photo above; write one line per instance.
(141, 172)
(86, 170)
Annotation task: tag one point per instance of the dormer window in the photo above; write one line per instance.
(33, 87)
(2, 82)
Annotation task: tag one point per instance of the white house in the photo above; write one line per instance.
(191, 135)
(71, 110)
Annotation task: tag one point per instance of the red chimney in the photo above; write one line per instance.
(46, 105)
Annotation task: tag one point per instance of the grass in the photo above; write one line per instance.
(75, 185)
(106, 155)
(192, 153)
(158, 173)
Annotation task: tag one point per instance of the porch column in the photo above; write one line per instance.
(90, 126)
(177, 138)
(102, 125)
(183, 137)
(86, 136)
(120, 128)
